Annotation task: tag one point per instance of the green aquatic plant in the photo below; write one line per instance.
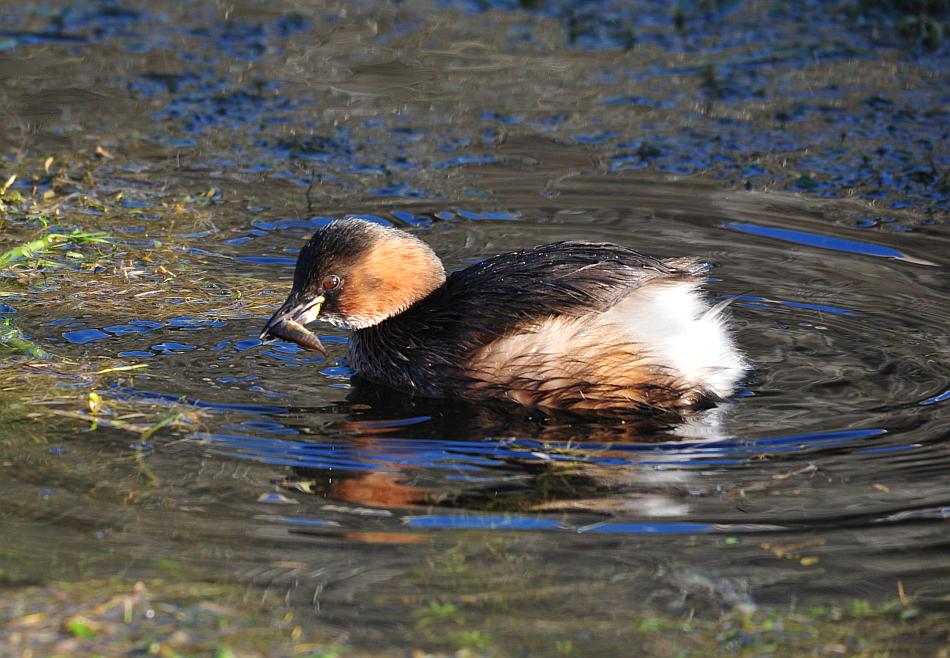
(12, 338)
(33, 248)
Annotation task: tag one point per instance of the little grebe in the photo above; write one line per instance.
(574, 326)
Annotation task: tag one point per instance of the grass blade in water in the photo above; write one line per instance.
(30, 249)
(12, 338)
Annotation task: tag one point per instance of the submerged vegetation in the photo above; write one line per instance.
(112, 619)
(50, 269)
(109, 618)
(12, 338)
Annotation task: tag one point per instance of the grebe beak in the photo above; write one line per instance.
(289, 320)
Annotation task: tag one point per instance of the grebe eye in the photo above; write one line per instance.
(331, 282)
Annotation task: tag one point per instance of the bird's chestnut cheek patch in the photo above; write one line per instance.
(369, 275)
(360, 297)
(372, 282)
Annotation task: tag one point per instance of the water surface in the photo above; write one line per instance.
(211, 142)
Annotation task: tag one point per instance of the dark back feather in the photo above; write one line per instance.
(424, 347)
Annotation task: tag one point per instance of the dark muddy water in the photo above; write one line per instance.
(798, 154)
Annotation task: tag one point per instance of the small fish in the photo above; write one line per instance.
(295, 332)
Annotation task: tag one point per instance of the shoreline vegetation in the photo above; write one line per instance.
(176, 620)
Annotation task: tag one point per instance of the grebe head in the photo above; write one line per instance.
(355, 274)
